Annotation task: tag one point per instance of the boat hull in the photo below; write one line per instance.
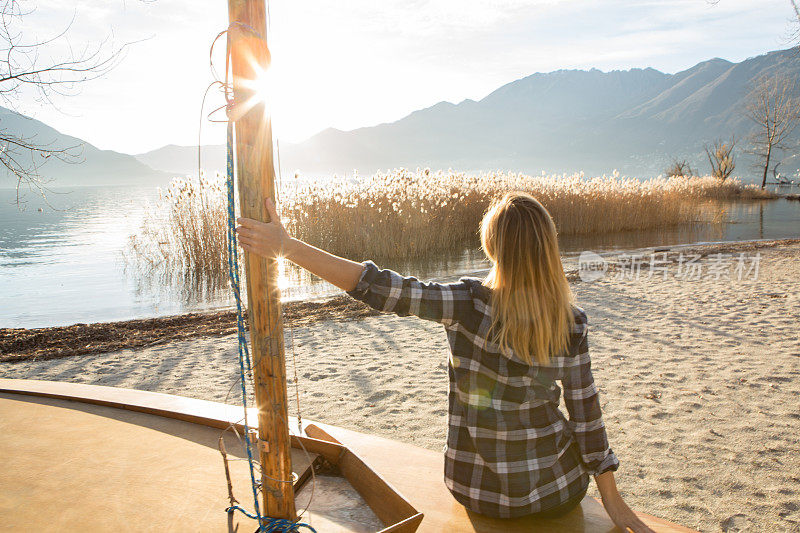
(91, 458)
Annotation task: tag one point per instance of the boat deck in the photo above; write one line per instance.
(89, 458)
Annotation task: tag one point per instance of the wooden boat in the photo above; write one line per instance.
(87, 458)
(90, 458)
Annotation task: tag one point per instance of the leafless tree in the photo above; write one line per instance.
(28, 68)
(796, 32)
(680, 169)
(720, 155)
(773, 107)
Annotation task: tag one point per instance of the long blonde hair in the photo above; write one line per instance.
(531, 299)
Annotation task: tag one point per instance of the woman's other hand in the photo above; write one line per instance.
(624, 518)
(267, 239)
(619, 512)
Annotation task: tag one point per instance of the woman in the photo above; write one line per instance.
(510, 451)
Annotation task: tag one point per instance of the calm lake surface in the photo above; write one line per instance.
(64, 264)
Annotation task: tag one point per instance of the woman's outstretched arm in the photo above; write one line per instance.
(270, 239)
(384, 290)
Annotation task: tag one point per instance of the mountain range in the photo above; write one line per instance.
(635, 121)
(88, 165)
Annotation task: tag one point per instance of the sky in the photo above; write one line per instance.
(354, 63)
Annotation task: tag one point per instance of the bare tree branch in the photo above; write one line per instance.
(26, 68)
(772, 106)
(679, 168)
(721, 158)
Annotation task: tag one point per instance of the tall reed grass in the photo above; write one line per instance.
(183, 238)
(405, 216)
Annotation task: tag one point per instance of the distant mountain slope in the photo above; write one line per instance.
(563, 121)
(182, 160)
(93, 166)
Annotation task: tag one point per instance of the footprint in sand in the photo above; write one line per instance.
(737, 522)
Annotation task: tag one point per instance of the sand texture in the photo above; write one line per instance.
(699, 381)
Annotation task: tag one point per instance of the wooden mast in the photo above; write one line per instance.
(256, 176)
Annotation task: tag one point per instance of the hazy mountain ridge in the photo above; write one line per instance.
(562, 121)
(92, 166)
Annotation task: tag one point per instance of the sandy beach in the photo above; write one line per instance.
(699, 381)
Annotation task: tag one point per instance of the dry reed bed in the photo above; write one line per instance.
(403, 215)
(183, 239)
(412, 215)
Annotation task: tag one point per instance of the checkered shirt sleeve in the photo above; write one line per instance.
(388, 291)
(585, 417)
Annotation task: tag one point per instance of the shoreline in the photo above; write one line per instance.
(21, 344)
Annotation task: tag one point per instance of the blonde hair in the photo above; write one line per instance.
(531, 299)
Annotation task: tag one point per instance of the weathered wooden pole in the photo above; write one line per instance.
(256, 176)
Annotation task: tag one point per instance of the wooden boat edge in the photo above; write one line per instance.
(388, 504)
(220, 416)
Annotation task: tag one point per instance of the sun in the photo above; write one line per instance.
(266, 89)
(281, 86)
(264, 85)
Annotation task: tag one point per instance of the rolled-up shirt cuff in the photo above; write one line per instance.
(609, 463)
(367, 277)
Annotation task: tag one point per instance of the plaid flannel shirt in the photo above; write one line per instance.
(510, 451)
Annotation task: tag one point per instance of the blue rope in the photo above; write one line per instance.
(265, 523)
(273, 525)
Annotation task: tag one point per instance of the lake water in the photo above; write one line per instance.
(64, 265)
